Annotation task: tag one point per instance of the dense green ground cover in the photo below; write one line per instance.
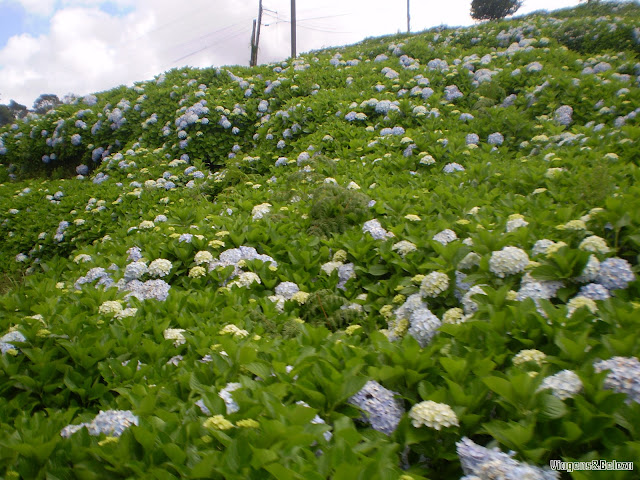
(453, 215)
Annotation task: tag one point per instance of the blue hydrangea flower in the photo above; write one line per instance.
(482, 463)
(615, 274)
(623, 376)
(594, 291)
(495, 139)
(380, 407)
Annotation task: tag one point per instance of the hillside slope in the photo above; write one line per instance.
(368, 262)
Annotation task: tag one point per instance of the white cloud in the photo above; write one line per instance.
(88, 50)
(35, 7)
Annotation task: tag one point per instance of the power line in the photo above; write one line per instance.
(321, 30)
(171, 23)
(310, 18)
(202, 37)
(242, 31)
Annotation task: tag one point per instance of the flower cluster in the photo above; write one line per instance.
(434, 284)
(373, 228)
(159, 267)
(233, 330)
(564, 384)
(404, 247)
(156, 289)
(225, 394)
(135, 270)
(6, 345)
(525, 356)
(245, 279)
(623, 376)
(175, 334)
(485, 464)
(217, 422)
(260, 211)
(423, 326)
(581, 302)
(109, 422)
(615, 273)
(110, 308)
(433, 415)
(508, 261)
(594, 244)
(380, 407)
(445, 236)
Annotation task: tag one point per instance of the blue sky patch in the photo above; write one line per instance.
(114, 10)
(12, 17)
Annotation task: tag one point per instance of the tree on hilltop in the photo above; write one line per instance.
(17, 109)
(5, 115)
(493, 9)
(46, 102)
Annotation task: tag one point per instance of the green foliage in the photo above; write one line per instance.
(335, 209)
(240, 374)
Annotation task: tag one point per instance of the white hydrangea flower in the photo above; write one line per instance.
(541, 246)
(575, 225)
(432, 414)
(197, 272)
(127, 312)
(453, 315)
(529, 355)
(508, 261)
(468, 304)
(160, 267)
(146, 224)
(374, 228)
(594, 244)
(110, 307)
(245, 279)
(82, 258)
(330, 267)
(445, 236)
(403, 247)
(578, 302)
(260, 211)
(515, 223)
(203, 257)
(564, 384)
(427, 160)
(300, 297)
(233, 330)
(434, 284)
(176, 335)
(225, 394)
(470, 260)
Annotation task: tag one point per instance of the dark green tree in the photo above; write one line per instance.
(46, 102)
(6, 116)
(17, 110)
(493, 9)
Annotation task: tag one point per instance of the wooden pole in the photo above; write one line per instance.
(255, 53)
(293, 28)
(253, 45)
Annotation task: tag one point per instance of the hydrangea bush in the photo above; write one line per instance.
(397, 259)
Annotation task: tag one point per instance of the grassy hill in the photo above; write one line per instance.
(374, 261)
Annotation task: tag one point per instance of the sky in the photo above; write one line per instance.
(88, 46)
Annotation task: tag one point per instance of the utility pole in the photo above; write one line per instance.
(293, 29)
(254, 47)
(257, 42)
(408, 18)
